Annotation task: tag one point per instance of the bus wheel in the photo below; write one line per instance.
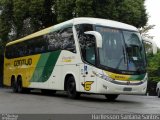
(111, 97)
(71, 88)
(158, 93)
(19, 85)
(14, 85)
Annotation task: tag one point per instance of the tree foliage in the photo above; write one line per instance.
(129, 11)
(22, 17)
(84, 8)
(154, 66)
(65, 9)
(144, 31)
(6, 18)
(153, 72)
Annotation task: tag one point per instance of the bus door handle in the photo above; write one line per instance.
(54, 76)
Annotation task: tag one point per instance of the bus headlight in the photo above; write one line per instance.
(103, 76)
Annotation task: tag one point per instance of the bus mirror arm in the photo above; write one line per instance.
(98, 37)
(154, 46)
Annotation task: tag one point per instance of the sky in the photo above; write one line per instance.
(153, 10)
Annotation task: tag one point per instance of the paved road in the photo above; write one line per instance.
(60, 103)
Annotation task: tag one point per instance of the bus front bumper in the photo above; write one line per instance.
(107, 87)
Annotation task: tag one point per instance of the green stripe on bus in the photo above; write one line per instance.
(49, 67)
(45, 66)
(137, 77)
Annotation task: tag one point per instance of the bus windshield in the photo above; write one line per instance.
(121, 50)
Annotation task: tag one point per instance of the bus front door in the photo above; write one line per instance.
(87, 78)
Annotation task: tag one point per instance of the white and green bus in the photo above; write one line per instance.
(82, 55)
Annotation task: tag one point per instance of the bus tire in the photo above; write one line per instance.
(20, 85)
(158, 93)
(111, 97)
(71, 88)
(14, 85)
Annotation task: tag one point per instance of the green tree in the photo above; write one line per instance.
(132, 12)
(154, 67)
(19, 15)
(6, 18)
(128, 11)
(107, 9)
(65, 9)
(84, 8)
(153, 72)
(49, 17)
(145, 29)
(22, 17)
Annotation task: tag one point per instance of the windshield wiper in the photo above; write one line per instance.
(124, 55)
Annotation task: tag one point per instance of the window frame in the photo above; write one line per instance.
(35, 40)
(112, 69)
(95, 49)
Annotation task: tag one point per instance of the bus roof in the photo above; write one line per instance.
(104, 22)
(75, 21)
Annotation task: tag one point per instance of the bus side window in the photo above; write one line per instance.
(68, 42)
(61, 40)
(16, 50)
(52, 41)
(87, 43)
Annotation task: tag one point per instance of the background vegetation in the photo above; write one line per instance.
(22, 17)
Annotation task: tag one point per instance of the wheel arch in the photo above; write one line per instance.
(66, 78)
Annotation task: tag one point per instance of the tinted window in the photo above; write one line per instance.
(59, 40)
(34, 46)
(87, 43)
(68, 40)
(62, 39)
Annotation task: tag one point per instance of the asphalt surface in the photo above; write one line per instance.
(36, 103)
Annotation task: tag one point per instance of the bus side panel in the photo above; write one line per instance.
(69, 66)
(46, 71)
(7, 72)
(24, 66)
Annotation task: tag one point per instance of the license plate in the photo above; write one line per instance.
(127, 89)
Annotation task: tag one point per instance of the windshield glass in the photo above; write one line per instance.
(121, 50)
(135, 51)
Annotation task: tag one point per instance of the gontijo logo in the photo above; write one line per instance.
(23, 62)
(87, 85)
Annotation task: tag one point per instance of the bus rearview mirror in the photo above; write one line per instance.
(98, 37)
(154, 46)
